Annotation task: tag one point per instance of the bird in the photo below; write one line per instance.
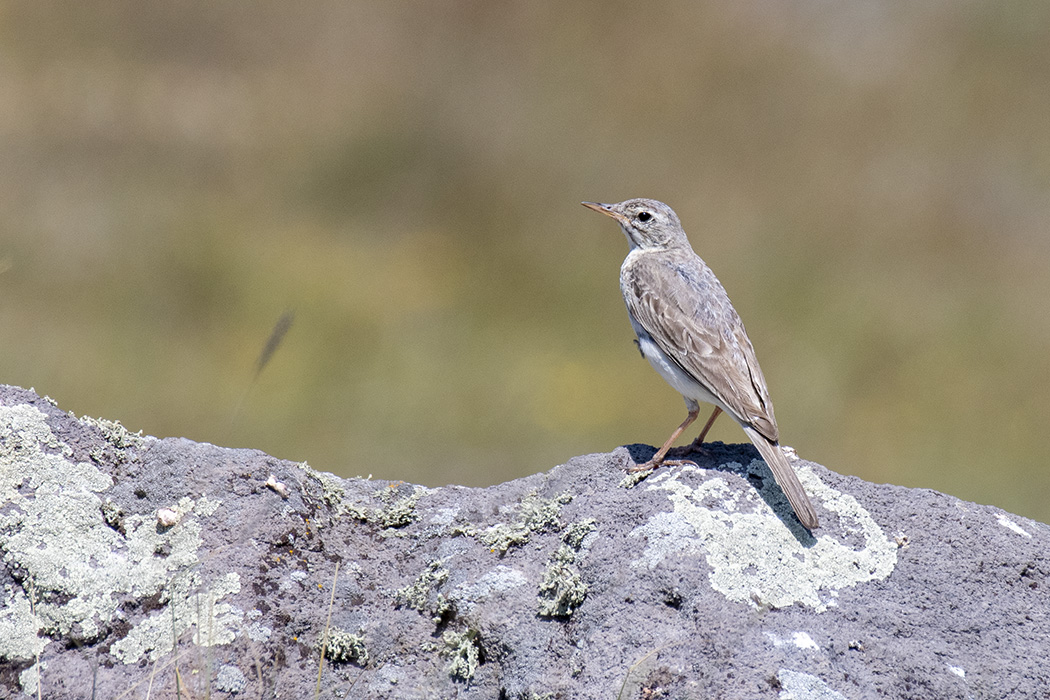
(688, 330)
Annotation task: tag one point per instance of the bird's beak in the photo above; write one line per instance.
(604, 209)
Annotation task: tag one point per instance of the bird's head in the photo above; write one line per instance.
(647, 223)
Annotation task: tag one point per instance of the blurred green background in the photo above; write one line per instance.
(870, 181)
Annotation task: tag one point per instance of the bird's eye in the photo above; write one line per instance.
(644, 216)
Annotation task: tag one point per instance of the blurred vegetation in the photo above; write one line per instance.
(871, 182)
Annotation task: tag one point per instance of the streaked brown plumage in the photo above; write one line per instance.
(691, 334)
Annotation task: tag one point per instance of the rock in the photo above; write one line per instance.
(132, 563)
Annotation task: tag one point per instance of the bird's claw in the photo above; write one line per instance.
(650, 465)
(694, 449)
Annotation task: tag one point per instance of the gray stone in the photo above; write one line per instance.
(230, 679)
(130, 560)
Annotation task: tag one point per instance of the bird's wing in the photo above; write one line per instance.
(681, 304)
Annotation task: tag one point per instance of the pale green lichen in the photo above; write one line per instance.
(79, 555)
(203, 506)
(188, 604)
(576, 533)
(464, 651)
(540, 513)
(230, 679)
(332, 489)
(533, 514)
(394, 513)
(19, 628)
(501, 537)
(417, 594)
(632, 479)
(114, 433)
(754, 557)
(256, 631)
(113, 515)
(794, 684)
(562, 590)
(443, 608)
(29, 679)
(344, 647)
(397, 513)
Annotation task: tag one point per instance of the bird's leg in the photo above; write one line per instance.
(698, 444)
(658, 458)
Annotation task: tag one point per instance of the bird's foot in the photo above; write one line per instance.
(653, 464)
(693, 448)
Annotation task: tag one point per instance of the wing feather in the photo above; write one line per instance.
(678, 300)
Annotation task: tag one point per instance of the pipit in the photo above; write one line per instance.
(692, 336)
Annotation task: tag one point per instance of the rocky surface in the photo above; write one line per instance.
(134, 566)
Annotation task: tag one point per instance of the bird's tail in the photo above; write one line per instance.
(786, 478)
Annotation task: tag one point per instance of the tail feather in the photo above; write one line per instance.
(786, 478)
